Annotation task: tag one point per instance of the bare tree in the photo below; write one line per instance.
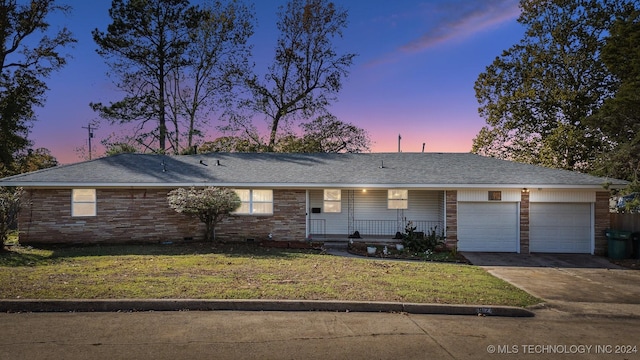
(307, 71)
(216, 64)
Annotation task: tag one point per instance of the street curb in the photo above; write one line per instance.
(108, 305)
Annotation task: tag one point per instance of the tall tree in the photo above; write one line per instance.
(37, 159)
(216, 63)
(619, 117)
(229, 144)
(145, 42)
(306, 73)
(537, 95)
(29, 53)
(327, 134)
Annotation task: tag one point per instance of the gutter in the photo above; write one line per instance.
(66, 185)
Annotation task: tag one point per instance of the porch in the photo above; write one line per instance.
(375, 215)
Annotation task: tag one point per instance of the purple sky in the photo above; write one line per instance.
(414, 74)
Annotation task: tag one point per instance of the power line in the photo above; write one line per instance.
(90, 130)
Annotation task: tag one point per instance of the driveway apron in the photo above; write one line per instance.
(575, 283)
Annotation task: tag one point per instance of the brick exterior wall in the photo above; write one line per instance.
(288, 222)
(524, 223)
(452, 217)
(144, 216)
(602, 222)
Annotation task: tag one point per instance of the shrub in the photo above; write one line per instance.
(9, 209)
(210, 205)
(420, 242)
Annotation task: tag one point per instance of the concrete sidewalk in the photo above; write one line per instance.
(175, 335)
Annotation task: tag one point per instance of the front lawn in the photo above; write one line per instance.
(239, 271)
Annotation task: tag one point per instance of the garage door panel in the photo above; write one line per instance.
(560, 227)
(487, 227)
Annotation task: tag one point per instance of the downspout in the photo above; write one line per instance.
(444, 214)
(593, 228)
(307, 216)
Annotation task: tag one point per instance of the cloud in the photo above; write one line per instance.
(462, 19)
(452, 21)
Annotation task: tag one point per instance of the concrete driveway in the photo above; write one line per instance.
(574, 283)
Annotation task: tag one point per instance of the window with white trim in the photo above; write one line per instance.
(83, 202)
(332, 200)
(397, 199)
(255, 201)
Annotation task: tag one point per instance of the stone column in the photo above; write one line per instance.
(452, 217)
(524, 222)
(602, 222)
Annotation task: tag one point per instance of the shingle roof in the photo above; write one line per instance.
(427, 170)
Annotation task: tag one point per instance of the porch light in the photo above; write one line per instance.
(525, 190)
(364, 190)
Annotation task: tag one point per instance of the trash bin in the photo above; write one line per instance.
(617, 243)
(635, 244)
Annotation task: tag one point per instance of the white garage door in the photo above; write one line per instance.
(560, 227)
(491, 227)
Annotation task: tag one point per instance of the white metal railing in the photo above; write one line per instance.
(317, 226)
(428, 226)
(390, 227)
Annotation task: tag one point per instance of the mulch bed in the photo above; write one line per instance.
(292, 244)
(633, 264)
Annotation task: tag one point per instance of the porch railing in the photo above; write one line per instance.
(317, 226)
(390, 227)
(428, 226)
(376, 227)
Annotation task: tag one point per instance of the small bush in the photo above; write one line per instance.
(9, 209)
(420, 242)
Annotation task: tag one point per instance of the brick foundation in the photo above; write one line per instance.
(144, 216)
(602, 222)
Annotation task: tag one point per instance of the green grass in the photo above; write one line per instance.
(239, 271)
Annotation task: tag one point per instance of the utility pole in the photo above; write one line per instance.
(89, 129)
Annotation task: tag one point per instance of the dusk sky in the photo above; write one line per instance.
(414, 74)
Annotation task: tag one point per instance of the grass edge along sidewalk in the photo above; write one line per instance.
(133, 305)
(239, 271)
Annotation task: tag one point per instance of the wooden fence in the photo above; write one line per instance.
(626, 222)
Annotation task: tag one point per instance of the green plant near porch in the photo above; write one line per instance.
(420, 242)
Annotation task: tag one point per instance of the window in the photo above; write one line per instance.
(495, 195)
(398, 199)
(255, 201)
(333, 200)
(83, 202)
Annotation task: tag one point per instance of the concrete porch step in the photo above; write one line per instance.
(336, 244)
